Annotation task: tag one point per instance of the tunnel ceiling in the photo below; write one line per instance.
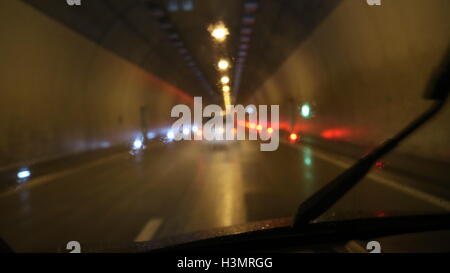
(176, 45)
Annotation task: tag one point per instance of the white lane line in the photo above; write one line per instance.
(439, 202)
(50, 177)
(387, 182)
(355, 247)
(149, 230)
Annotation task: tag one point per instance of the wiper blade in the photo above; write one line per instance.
(286, 238)
(322, 200)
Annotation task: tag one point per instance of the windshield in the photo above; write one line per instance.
(129, 121)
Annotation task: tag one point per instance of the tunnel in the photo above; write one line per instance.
(90, 91)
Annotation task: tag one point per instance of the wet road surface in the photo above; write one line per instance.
(176, 188)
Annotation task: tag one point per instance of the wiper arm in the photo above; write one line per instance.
(322, 200)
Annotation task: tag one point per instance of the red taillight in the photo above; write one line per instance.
(381, 214)
(379, 164)
(293, 137)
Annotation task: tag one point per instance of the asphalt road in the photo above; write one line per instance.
(177, 188)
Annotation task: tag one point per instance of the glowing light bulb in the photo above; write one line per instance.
(223, 64)
(219, 32)
(225, 80)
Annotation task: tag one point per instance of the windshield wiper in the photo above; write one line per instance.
(322, 200)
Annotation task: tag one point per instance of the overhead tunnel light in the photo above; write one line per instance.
(248, 20)
(223, 64)
(244, 47)
(188, 5)
(251, 6)
(242, 53)
(245, 39)
(246, 30)
(225, 80)
(219, 32)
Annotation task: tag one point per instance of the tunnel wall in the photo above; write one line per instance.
(62, 94)
(363, 71)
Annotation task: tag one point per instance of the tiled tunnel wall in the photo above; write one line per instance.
(364, 71)
(63, 94)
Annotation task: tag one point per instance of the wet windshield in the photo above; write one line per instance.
(128, 121)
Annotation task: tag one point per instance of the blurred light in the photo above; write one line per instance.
(381, 214)
(379, 164)
(258, 127)
(194, 128)
(104, 144)
(199, 132)
(293, 137)
(223, 64)
(335, 133)
(172, 5)
(186, 131)
(219, 32)
(137, 144)
(170, 135)
(306, 110)
(242, 53)
(233, 130)
(225, 80)
(249, 110)
(226, 88)
(23, 174)
(307, 161)
(250, 6)
(244, 47)
(151, 135)
(269, 130)
(188, 5)
(246, 30)
(248, 20)
(245, 39)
